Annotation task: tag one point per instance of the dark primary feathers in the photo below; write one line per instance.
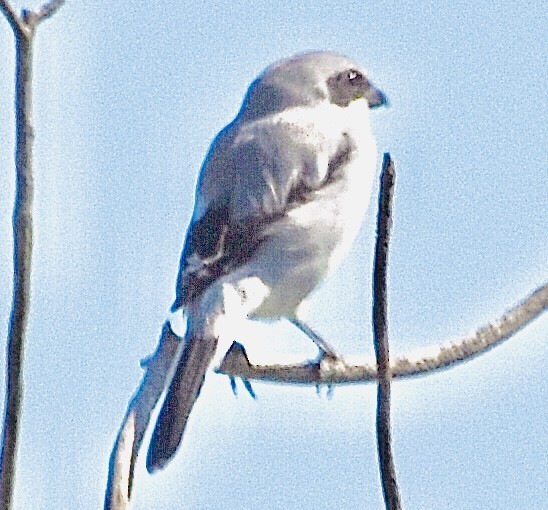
(183, 392)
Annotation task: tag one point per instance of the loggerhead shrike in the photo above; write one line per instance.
(280, 198)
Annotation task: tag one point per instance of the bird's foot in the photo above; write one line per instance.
(325, 361)
(247, 386)
(236, 356)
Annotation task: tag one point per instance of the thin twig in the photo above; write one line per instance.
(29, 18)
(120, 470)
(128, 443)
(48, 10)
(23, 29)
(446, 356)
(387, 467)
(10, 15)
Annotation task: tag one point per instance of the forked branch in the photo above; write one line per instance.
(23, 28)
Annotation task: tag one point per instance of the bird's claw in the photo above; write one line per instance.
(329, 357)
(330, 390)
(247, 386)
(233, 386)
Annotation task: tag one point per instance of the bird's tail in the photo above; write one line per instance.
(183, 391)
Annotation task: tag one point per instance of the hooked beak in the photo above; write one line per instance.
(375, 97)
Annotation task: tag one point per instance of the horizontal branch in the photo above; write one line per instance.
(327, 371)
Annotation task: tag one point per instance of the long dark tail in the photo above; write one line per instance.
(183, 392)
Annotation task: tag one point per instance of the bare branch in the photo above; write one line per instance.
(47, 10)
(482, 340)
(22, 258)
(121, 465)
(387, 466)
(31, 18)
(23, 30)
(327, 372)
(10, 15)
(136, 420)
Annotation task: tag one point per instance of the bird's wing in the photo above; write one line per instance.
(251, 176)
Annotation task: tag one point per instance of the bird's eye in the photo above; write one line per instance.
(353, 75)
(346, 86)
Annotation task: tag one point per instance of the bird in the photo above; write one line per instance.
(279, 200)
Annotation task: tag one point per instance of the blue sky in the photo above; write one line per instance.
(127, 100)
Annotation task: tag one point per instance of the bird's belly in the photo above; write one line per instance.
(304, 247)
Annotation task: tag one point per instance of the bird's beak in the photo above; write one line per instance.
(375, 97)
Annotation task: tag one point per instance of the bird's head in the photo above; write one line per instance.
(308, 79)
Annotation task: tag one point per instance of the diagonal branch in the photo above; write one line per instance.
(47, 10)
(131, 433)
(10, 15)
(28, 19)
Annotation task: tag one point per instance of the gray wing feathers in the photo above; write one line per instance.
(249, 177)
(253, 167)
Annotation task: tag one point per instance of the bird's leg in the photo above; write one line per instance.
(325, 348)
(326, 351)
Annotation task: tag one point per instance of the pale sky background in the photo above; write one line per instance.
(128, 97)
